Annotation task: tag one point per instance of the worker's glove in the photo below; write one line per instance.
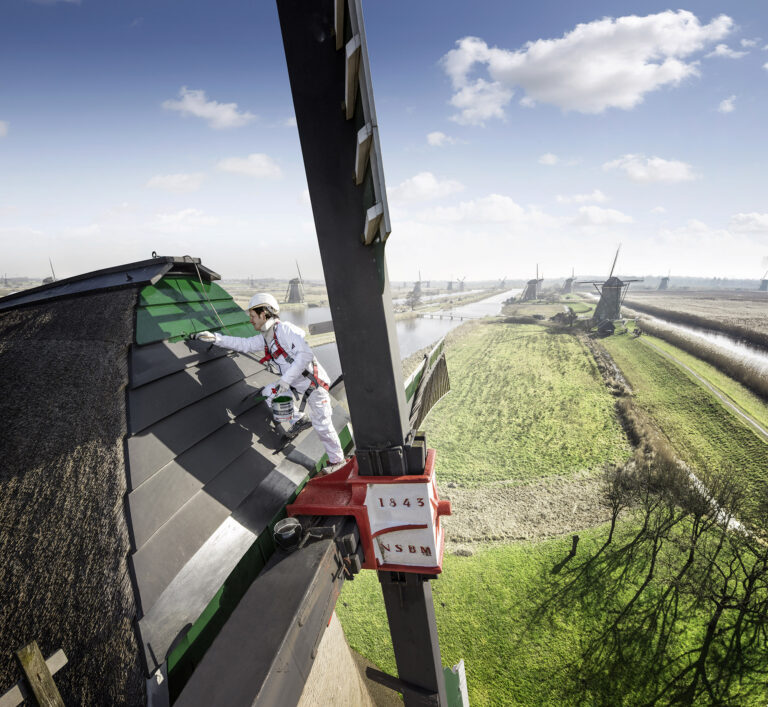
(283, 388)
(207, 336)
(269, 390)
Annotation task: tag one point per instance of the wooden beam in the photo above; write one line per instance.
(39, 674)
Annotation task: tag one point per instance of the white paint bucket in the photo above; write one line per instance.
(282, 408)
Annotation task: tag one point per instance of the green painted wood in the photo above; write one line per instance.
(181, 289)
(176, 307)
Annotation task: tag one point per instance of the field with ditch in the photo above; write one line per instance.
(523, 439)
(743, 314)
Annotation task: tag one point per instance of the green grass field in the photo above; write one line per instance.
(703, 433)
(752, 404)
(527, 402)
(524, 403)
(529, 624)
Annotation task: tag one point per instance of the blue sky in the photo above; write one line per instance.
(513, 134)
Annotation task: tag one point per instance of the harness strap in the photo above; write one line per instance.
(314, 379)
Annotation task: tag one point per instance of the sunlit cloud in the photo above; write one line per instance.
(596, 196)
(727, 105)
(438, 139)
(256, 165)
(652, 169)
(753, 222)
(723, 50)
(549, 159)
(177, 182)
(4, 128)
(598, 216)
(220, 116)
(424, 186)
(608, 63)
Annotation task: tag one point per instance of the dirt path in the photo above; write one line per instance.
(509, 510)
(751, 422)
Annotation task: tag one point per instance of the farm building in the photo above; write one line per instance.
(140, 479)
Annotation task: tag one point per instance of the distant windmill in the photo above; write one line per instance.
(461, 283)
(612, 293)
(52, 278)
(664, 283)
(764, 282)
(295, 292)
(567, 288)
(500, 286)
(532, 288)
(417, 286)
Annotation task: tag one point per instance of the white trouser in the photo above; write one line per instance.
(319, 406)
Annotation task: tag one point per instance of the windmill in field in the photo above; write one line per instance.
(295, 292)
(503, 280)
(612, 293)
(461, 283)
(532, 288)
(567, 288)
(764, 282)
(664, 283)
(417, 286)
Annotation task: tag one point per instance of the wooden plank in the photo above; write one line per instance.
(20, 692)
(172, 289)
(153, 361)
(39, 676)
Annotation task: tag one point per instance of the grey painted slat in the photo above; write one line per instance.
(154, 447)
(185, 598)
(158, 498)
(163, 397)
(153, 361)
(173, 545)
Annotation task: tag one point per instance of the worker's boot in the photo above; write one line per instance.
(299, 426)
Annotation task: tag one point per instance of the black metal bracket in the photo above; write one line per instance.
(400, 460)
(416, 695)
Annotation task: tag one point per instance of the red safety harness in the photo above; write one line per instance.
(314, 379)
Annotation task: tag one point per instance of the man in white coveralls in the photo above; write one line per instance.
(285, 344)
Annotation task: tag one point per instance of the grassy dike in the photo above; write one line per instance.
(703, 434)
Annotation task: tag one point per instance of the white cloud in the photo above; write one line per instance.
(438, 139)
(255, 165)
(652, 169)
(3, 128)
(479, 101)
(658, 210)
(177, 182)
(608, 63)
(726, 105)
(549, 159)
(597, 216)
(424, 186)
(596, 195)
(750, 223)
(748, 42)
(725, 51)
(765, 66)
(219, 115)
(182, 221)
(491, 209)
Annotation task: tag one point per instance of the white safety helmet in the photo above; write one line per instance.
(264, 299)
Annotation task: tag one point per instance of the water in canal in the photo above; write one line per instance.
(412, 334)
